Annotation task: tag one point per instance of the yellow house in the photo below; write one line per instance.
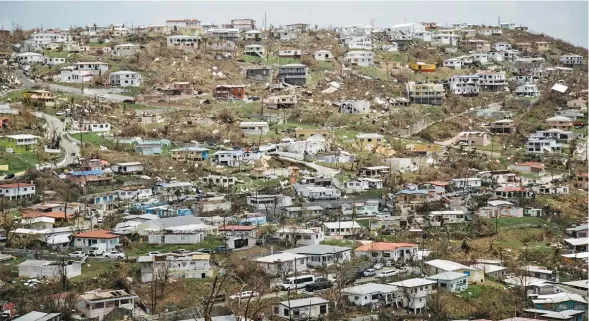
(40, 95)
(370, 140)
(422, 67)
(306, 133)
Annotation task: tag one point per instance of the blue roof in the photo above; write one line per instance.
(88, 173)
(406, 191)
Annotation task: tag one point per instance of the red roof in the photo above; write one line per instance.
(99, 234)
(58, 215)
(15, 185)
(236, 228)
(383, 246)
(531, 164)
(583, 174)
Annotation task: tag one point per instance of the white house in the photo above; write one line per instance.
(125, 50)
(501, 46)
(342, 228)
(390, 47)
(358, 42)
(302, 309)
(455, 63)
(304, 236)
(370, 293)
(184, 42)
(125, 78)
(323, 55)
(224, 33)
(354, 107)
(468, 182)
(97, 68)
(527, 90)
(323, 255)
(127, 168)
(387, 251)
(359, 58)
(49, 269)
(541, 146)
(446, 217)
(450, 281)
(438, 266)
(283, 264)
(218, 180)
(405, 29)
(54, 61)
(69, 74)
(97, 304)
(423, 35)
(570, 59)
(102, 239)
(17, 190)
(29, 58)
(415, 293)
(254, 50)
(45, 38)
(444, 39)
(191, 266)
(466, 85)
(89, 126)
(254, 128)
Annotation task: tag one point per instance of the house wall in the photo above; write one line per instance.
(309, 311)
(328, 259)
(180, 269)
(106, 244)
(49, 271)
(176, 238)
(285, 268)
(405, 253)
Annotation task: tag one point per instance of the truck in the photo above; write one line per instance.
(97, 250)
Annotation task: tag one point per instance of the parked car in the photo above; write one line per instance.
(386, 274)
(78, 254)
(203, 250)
(94, 251)
(403, 269)
(319, 284)
(114, 254)
(378, 266)
(100, 220)
(60, 113)
(222, 249)
(181, 251)
(388, 263)
(369, 272)
(244, 295)
(9, 176)
(154, 253)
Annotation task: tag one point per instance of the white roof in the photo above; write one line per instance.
(499, 203)
(123, 72)
(536, 269)
(129, 164)
(560, 88)
(368, 288)
(370, 135)
(411, 283)
(280, 257)
(22, 136)
(253, 123)
(345, 224)
(558, 297)
(578, 241)
(446, 213)
(559, 118)
(448, 265)
(304, 302)
(488, 268)
(582, 255)
(446, 276)
(579, 284)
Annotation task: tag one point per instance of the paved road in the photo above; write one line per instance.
(72, 150)
(321, 170)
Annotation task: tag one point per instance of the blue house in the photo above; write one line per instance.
(560, 302)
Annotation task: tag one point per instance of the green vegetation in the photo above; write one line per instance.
(344, 243)
(373, 72)
(18, 162)
(56, 54)
(92, 269)
(93, 138)
(136, 106)
(504, 223)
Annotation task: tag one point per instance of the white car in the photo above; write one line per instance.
(114, 254)
(378, 266)
(386, 274)
(32, 283)
(78, 254)
(100, 220)
(60, 113)
(244, 295)
(154, 253)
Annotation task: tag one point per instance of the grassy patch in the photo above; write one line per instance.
(344, 243)
(323, 65)
(136, 106)
(271, 60)
(93, 138)
(504, 223)
(373, 72)
(56, 54)
(18, 162)
(92, 269)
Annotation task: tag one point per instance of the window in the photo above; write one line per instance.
(286, 312)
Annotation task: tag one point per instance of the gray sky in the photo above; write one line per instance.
(566, 20)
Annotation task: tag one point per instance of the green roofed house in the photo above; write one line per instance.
(19, 143)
